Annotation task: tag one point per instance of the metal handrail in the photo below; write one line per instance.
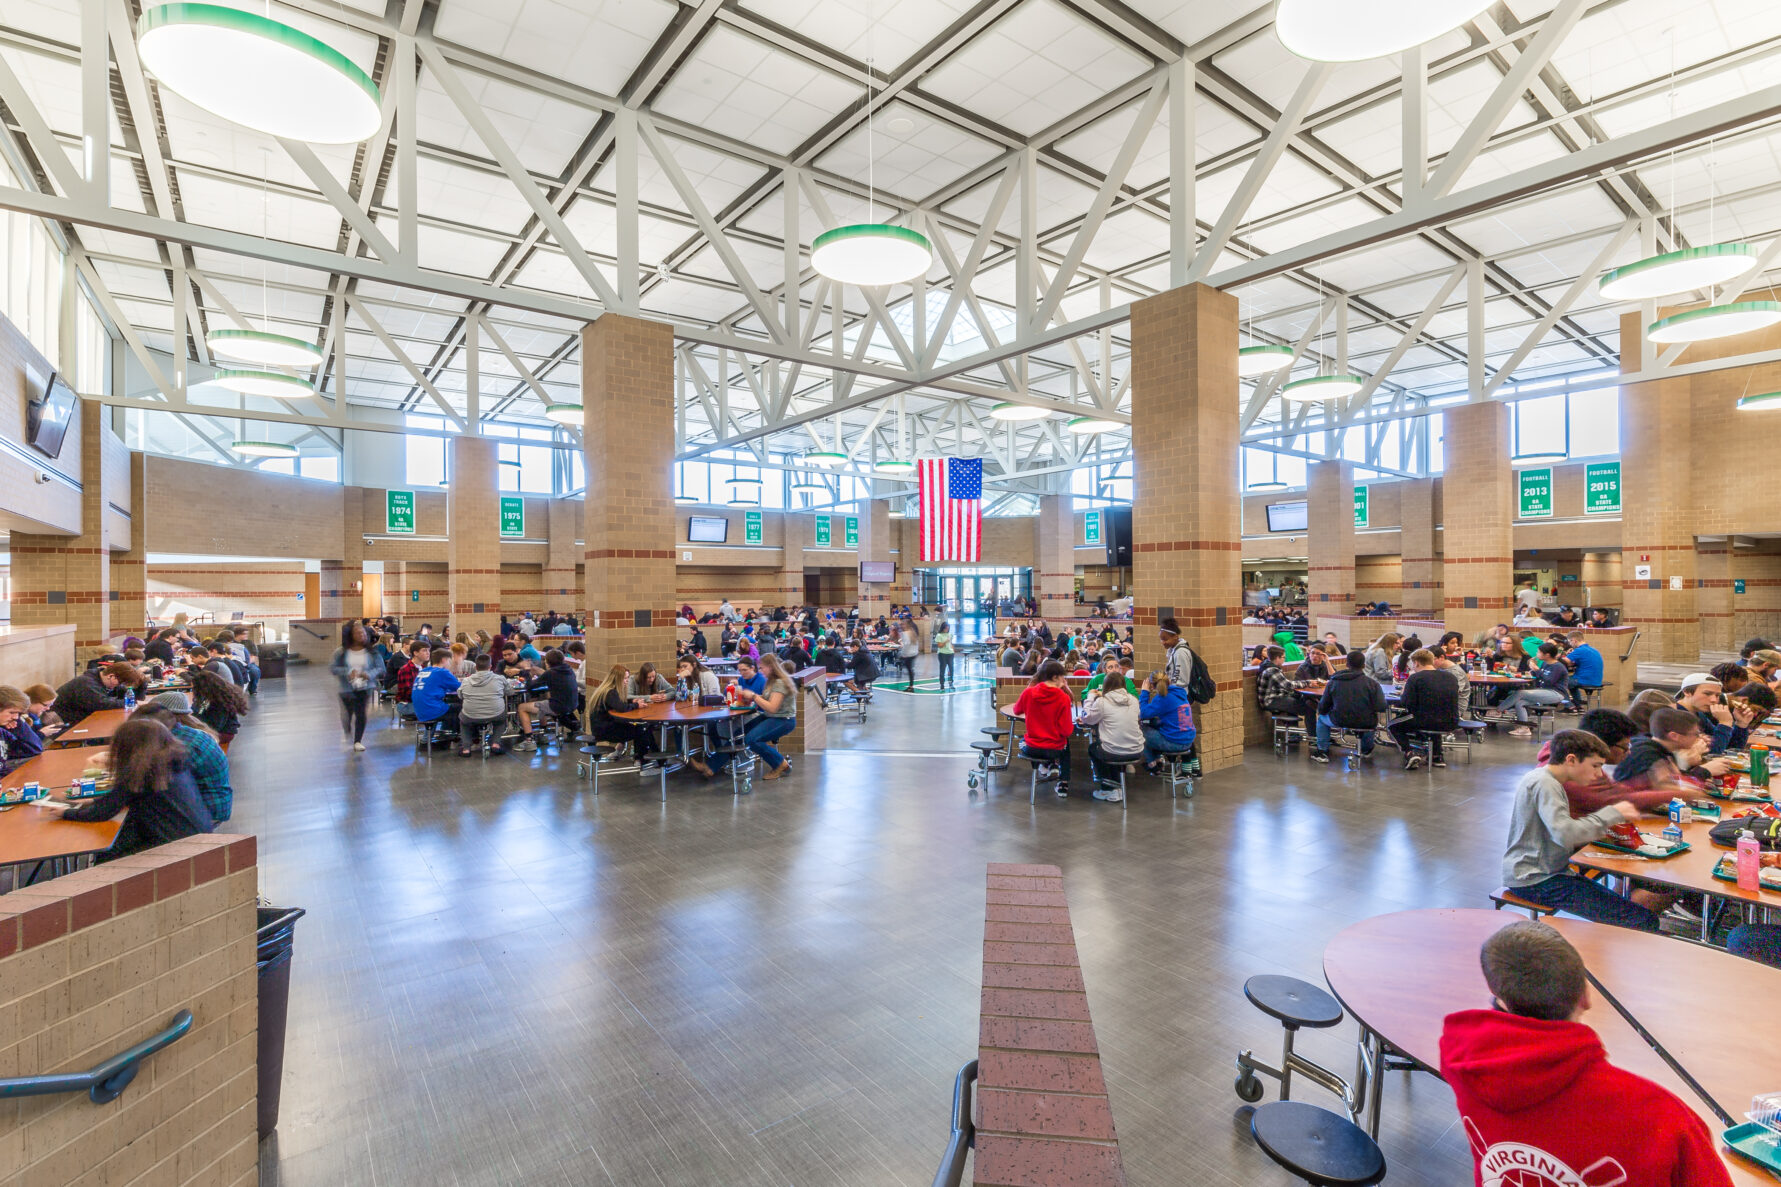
(1631, 645)
(106, 1082)
(964, 1133)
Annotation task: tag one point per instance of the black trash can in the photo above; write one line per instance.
(272, 661)
(274, 937)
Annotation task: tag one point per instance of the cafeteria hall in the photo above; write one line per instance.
(741, 593)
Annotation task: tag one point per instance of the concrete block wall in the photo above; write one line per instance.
(1331, 535)
(96, 961)
(1477, 547)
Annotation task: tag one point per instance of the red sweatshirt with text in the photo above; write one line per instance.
(1543, 1107)
(1046, 708)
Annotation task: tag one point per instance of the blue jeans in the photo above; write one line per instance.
(1758, 941)
(1155, 747)
(1325, 725)
(759, 737)
(1521, 698)
(1591, 900)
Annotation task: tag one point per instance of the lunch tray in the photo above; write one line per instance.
(1742, 797)
(1756, 1142)
(1615, 847)
(1726, 870)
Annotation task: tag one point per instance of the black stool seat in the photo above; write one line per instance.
(986, 747)
(1320, 1147)
(1294, 1002)
(994, 731)
(1174, 755)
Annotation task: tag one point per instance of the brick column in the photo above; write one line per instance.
(1185, 518)
(1054, 578)
(627, 393)
(1420, 579)
(875, 545)
(129, 568)
(67, 579)
(1713, 595)
(473, 552)
(798, 532)
(1478, 556)
(1330, 538)
(902, 590)
(560, 585)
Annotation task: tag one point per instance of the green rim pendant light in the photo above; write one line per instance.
(1677, 272)
(1356, 30)
(804, 483)
(894, 468)
(1084, 426)
(264, 449)
(1256, 361)
(273, 384)
(871, 254)
(1769, 401)
(259, 73)
(825, 458)
(1009, 410)
(1322, 387)
(1715, 321)
(564, 414)
(264, 348)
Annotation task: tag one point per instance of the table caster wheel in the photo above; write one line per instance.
(1249, 1088)
(748, 787)
(971, 782)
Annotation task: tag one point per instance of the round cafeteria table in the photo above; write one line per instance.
(1400, 975)
(682, 717)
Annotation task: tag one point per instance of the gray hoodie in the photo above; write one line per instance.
(1114, 714)
(485, 696)
(1542, 832)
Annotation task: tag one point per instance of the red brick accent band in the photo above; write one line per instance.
(655, 554)
(1189, 546)
(474, 572)
(1630, 618)
(1478, 560)
(470, 607)
(56, 550)
(1657, 548)
(34, 915)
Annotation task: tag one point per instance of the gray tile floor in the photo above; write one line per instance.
(504, 979)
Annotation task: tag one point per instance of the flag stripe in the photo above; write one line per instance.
(951, 528)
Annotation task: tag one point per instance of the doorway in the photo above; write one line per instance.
(371, 601)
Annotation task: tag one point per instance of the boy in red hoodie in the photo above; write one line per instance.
(1047, 707)
(1541, 1104)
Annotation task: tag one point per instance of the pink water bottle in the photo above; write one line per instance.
(1749, 861)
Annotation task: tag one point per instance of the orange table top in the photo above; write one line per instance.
(93, 729)
(679, 713)
(1692, 870)
(29, 833)
(1402, 974)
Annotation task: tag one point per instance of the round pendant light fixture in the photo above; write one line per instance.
(743, 486)
(264, 449)
(1715, 321)
(1270, 484)
(266, 349)
(1008, 410)
(895, 469)
(737, 502)
(1537, 457)
(1322, 387)
(809, 484)
(1356, 30)
(564, 414)
(1677, 272)
(259, 73)
(684, 500)
(275, 384)
(1253, 361)
(1765, 400)
(827, 459)
(1084, 426)
(871, 254)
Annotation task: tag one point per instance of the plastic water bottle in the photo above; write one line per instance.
(129, 700)
(680, 689)
(1749, 861)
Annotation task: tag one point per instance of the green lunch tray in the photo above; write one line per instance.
(1727, 871)
(1756, 1142)
(1683, 847)
(1742, 797)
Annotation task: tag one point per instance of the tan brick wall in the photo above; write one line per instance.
(875, 545)
(627, 381)
(1331, 537)
(57, 579)
(473, 553)
(262, 591)
(1713, 600)
(1419, 560)
(559, 578)
(129, 572)
(94, 962)
(522, 589)
(1055, 531)
(1186, 511)
(1477, 546)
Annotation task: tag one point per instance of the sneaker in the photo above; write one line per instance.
(497, 748)
(1412, 762)
(1111, 795)
(525, 745)
(1439, 762)
(1317, 755)
(465, 752)
(358, 746)
(1678, 911)
(1521, 731)
(1063, 791)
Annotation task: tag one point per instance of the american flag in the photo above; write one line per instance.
(951, 509)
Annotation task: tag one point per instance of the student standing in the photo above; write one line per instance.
(357, 669)
(943, 649)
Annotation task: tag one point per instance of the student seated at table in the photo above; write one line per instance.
(1551, 682)
(1674, 750)
(1274, 689)
(647, 684)
(774, 697)
(526, 649)
(236, 639)
(830, 655)
(1618, 733)
(1534, 1086)
(1167, 717)
(419, 655)
(37, 712)
(93, 691)
(204, 756)
(560, 699)
(1047, 707)
(1586, 666)
(151, 776)
(1099, 680)
(19, 742)
(1543, 835)
(607, 698)
(700, 680)
(1113, 711)
(430, 688)
(1316, 665)
(1430, 704)
(1725, 728)
(483, 705)
(1352, 700)
(865, 669)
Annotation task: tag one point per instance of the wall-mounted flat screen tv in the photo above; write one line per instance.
(878, 572)
(47, 413)
(707, 529)
(1289, 517)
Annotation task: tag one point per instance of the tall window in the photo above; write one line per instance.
(425, 454)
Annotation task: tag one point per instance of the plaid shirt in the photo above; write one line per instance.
(405, 682)
(210, 770)
(1273, 687)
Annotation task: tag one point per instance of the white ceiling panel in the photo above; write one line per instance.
(595, 44)
(739, 87)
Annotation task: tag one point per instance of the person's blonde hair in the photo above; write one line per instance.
(773, 668)
(1422, 657)
(615, 678)
(12, 698)
(1388, 642)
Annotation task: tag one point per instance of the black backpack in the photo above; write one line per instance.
(1768, 832)
(1200, 686)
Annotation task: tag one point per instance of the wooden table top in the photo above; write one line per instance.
(1432, 956)
(92, 730)
(1689, 871)
(29, 833)
(679, 713)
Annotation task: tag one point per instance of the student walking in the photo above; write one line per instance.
(358, 669)
(908, 647)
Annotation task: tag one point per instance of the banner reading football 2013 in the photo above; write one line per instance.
(1601, 488)
(951, 492)
(1536, 493)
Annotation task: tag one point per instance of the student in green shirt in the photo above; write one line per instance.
(943, 649)
(1110, 667)
(1294, 653)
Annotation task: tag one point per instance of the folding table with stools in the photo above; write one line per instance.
(1320, 1147)
(1295, 1003)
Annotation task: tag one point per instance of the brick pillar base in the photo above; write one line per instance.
(1478, 562)
(1054, 580)
(1331, 537)
(1714, 596)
